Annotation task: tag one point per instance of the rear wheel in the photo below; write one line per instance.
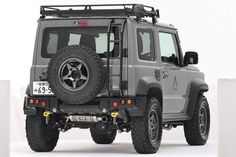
(197, 129)
(102, 133)
(146, 131)
(41, 137)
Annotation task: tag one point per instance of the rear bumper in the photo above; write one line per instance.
(98, 106)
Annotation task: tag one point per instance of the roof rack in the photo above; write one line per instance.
(137, 10)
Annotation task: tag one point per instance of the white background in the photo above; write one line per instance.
(4, 116)
(205, 26)
(226, 106)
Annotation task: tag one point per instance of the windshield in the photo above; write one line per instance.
(93, 37)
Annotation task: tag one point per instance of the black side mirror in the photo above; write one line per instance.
(190, 58)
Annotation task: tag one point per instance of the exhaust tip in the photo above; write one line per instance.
(104, 119)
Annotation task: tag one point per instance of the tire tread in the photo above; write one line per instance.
(139, 131)
(191, 128)
(35, 134)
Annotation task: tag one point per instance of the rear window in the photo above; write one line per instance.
(93, 37)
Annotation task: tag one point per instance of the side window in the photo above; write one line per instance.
(101, 40)
(145, 43)
(169, 49)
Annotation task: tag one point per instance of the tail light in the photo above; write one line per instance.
(129, 101)
(122, 102)
(115, 104)
(31, 101)
(36, 101)
(43, 103)
(82, 23)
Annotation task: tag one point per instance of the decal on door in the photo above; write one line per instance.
(175, 84)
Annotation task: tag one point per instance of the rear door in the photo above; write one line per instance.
(174, 77)
(54, 34)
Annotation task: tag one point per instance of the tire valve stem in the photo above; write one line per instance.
(114, 114)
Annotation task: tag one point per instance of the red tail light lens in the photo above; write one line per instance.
(82, 23)
(43, 103)
(122, 102)
(115, 104)
(36, 101)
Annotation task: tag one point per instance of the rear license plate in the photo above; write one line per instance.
(41, 88)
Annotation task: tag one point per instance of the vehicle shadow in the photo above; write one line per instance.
(173, 146)
(119, 148)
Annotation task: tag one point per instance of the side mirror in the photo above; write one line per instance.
(190, 58)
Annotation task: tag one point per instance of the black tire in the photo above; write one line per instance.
(41, 137)
(144, 141)
(102, 133)
(63, 71)
(197, 129)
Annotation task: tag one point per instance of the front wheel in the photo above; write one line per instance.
(41, 137)
(146, 131)
(197, 129)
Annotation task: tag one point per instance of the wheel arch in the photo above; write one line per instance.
(197, 87)
(148, 86)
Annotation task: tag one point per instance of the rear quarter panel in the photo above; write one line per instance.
(138, 69)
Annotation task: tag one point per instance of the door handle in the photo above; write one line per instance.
(165, 74)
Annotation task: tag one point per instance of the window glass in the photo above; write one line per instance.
(74, 39)
(145, 44)
(52, 43)
(169, 51)
(101, 41)
(93, 37)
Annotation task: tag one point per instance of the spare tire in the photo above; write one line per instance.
(76, 74)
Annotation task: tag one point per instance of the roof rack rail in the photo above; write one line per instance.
(137, 10)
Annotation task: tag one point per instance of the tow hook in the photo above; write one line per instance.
(46, 114)
(114, 114)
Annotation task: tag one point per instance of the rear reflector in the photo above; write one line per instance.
(43, 103)
(115, 104)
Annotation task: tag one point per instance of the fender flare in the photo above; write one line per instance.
(149, 86)
(145, 84)
(197, 85)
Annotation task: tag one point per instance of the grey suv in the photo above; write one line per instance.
(106, 68)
